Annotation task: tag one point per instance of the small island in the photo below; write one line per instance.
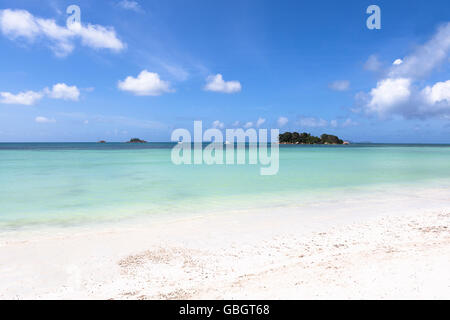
(136, 140)
(101, 141)
(307, 138)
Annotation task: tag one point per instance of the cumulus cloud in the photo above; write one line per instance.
(44, 120)
(399, 93)
(389, 94)
(97, 36)
(440, 92)
(282, 121)
(436, 100)
(64, 92)
(21, 24)
(217, 84)
(260, 122)
(400, 97)
(26, 98)
(145, 84)
(218, 125)
(130, 5)
(340, 85)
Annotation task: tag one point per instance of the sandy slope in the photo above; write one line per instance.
(399, 248)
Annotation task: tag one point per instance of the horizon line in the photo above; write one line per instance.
(97, 142)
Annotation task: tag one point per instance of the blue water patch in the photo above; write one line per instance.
(70, 183)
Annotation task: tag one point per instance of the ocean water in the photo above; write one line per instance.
(68, 184)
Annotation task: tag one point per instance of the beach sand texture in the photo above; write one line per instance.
(400, 248)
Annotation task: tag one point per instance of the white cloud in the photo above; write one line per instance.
(372, 63)
(436, 100)
(16, 24)
(27, 98)
(260, 122)
(63, 91)
(426, 57)
(440, 92)
(59, 37)
(97, 36)
(217, 84)
(340, 85)
(388, 95)
(218, 125)
(312, 122)
(400, 93)
(282, 121)
(44, 120)
(237, 123)
(251, 124)
(146, 84)
(333, 123)
(130, 5)
(398, 96)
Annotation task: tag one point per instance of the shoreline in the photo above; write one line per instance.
(322, 250)
(433, 188)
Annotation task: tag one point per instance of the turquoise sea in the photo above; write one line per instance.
(69, 184)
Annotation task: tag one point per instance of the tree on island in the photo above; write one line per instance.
(136, 140)
(329, 138)
(307, 138)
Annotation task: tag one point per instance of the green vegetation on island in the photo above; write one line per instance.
(136, 140)
(307, 138)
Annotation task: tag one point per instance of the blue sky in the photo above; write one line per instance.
(145, 68)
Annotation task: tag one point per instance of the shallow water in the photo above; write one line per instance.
(76, 183)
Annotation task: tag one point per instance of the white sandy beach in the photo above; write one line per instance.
(224, 150)
(394, 246)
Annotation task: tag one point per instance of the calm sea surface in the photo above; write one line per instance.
(76, 183)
